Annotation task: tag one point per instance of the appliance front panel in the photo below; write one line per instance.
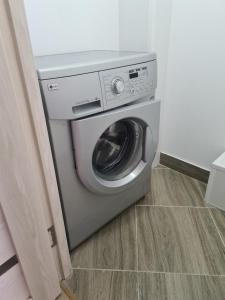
(72, 97)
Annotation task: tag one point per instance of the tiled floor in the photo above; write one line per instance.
(63, 296)
(168, 246)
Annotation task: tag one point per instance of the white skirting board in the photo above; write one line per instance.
(215, 193)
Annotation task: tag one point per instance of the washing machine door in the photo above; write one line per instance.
(113, 148)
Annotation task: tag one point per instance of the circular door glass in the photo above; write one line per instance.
(119, 150)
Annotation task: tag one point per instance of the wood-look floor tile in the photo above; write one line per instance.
(172, 188)
(112, 247)
(104, 285)
(176, 239)
(219, 218)
(63, 296)
(180, 287)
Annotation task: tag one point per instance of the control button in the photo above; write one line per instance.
(118, 85)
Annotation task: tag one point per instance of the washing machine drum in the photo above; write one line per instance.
(119, 150)
(113, 148)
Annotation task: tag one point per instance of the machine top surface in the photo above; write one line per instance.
(70, 64)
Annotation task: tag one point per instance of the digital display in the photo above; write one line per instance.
(133, 75)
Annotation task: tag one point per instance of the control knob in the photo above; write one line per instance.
(118, 85)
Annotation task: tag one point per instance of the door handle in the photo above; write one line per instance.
(149, 152)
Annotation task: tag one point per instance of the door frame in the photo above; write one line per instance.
(29, 193)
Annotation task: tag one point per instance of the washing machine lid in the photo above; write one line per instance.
(113, 148)
(76, 63)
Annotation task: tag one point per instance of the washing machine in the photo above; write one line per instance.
(103, 122)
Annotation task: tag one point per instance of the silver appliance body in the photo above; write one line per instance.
(103, 123)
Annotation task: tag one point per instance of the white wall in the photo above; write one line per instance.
(133, 24)
(194, 111)
(160, 21)
(64, 26)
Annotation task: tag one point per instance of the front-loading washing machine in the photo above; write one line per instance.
(103, 123)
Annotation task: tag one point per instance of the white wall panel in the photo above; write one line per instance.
(194, 114)
(133, 25)
(64, 26)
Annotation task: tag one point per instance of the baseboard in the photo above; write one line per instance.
(184, 167)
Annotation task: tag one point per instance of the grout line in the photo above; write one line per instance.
(136, 238)
(217, 229)
(99, 269)
(175, 206)
(149, 272)
(136, 247)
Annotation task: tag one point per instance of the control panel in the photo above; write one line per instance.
(128, 83)
(82, 95)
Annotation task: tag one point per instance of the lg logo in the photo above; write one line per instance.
(53, 86)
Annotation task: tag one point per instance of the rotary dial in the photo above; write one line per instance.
(118, 85)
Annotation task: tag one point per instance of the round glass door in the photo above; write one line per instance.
(119, 150)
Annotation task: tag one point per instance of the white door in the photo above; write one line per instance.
(25, 160)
